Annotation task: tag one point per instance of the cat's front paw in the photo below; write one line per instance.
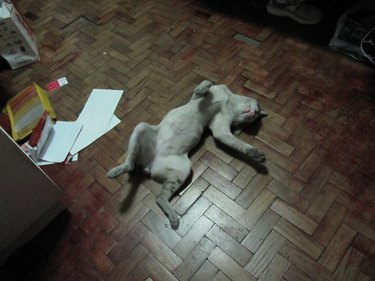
(257, 155)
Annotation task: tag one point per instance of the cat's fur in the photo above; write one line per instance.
(162, 150)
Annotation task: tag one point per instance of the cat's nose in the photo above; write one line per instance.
(255, 111)
(252, 112)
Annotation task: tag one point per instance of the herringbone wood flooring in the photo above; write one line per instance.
(310, 217)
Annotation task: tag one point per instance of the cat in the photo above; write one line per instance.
(162, 150)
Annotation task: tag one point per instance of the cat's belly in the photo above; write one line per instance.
(178, 141)
(180, 131)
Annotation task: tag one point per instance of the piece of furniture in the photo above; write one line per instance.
(29, 199)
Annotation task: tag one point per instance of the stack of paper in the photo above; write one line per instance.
(96, 119)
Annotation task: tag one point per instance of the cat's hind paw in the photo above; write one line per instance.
(202, 88)
(114, 172)
(174, 221)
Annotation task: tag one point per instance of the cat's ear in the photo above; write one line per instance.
(262, 112)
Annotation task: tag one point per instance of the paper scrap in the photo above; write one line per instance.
(86, 137)
(56, 84)
(45, 163)
(60, 141)
(41, 137)
(99, 108)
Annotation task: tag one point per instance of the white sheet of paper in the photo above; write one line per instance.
(99, 108)
(60, 141)
(87, 137)
(45, 163)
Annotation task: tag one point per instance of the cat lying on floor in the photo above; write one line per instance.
(162, 150)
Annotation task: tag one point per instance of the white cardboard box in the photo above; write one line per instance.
(18, 45)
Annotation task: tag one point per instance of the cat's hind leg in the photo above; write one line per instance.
(140, 131)
(171, 171)
(202, 89)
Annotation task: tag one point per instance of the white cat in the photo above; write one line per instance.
(162, 150)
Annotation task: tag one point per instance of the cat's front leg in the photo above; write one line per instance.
(220, 128)
(228, 139)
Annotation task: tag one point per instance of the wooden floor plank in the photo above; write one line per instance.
(256, 209)
(221, 183)
(276, 269)
(232, 269)
(155, 270)
(190, 196)
(349, 266)
(195, 259)
(298, 238)
(161, 251)
(223, 202)
(302, 261)
(337, 248)
(192, 237)
(230, 246)
(129, 263)
(266, 252)
(158, 227)
(206, 272)
(293, 216)
(193, 215)
(260, 231)
(226, 223)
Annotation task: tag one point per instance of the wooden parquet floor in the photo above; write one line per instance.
(311, 216)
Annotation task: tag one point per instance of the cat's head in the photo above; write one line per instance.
(246, 110)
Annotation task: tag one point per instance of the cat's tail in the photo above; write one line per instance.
(202, 89)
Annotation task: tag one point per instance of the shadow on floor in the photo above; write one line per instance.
(32, 259)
